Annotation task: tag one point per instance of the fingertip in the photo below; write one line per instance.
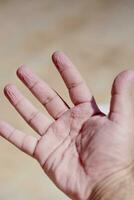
(11, 92)
(20, 70)
(124, 76)
(59, 58)
(61, 61)
(56, 54)
(127, 71)
(8, 87)
(122, 81)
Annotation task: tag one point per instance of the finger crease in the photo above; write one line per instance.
(60, 114)
(33, 86)
(18, 102)
(34, 150)
(23, 142)
(48, 100)
(33, 116)
(10, 135)
(74, 85)
(62, 70)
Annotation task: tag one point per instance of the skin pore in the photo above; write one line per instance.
(86, 153)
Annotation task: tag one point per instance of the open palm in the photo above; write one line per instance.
(82, 145)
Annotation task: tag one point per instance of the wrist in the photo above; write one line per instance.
(118, 186)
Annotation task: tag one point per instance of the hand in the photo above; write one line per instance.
(82, 145)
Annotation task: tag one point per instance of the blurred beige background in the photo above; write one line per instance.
(97, 35)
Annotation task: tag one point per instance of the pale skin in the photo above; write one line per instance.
(81, 146)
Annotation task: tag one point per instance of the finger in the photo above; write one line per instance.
(78, 90)
(52, 102)
(121, 103)
(24, 142)
(37, 120)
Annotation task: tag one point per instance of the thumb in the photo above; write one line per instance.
(121, 102)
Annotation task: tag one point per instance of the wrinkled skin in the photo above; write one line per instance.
(82, 145)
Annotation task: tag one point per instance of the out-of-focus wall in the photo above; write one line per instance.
(98, 37)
